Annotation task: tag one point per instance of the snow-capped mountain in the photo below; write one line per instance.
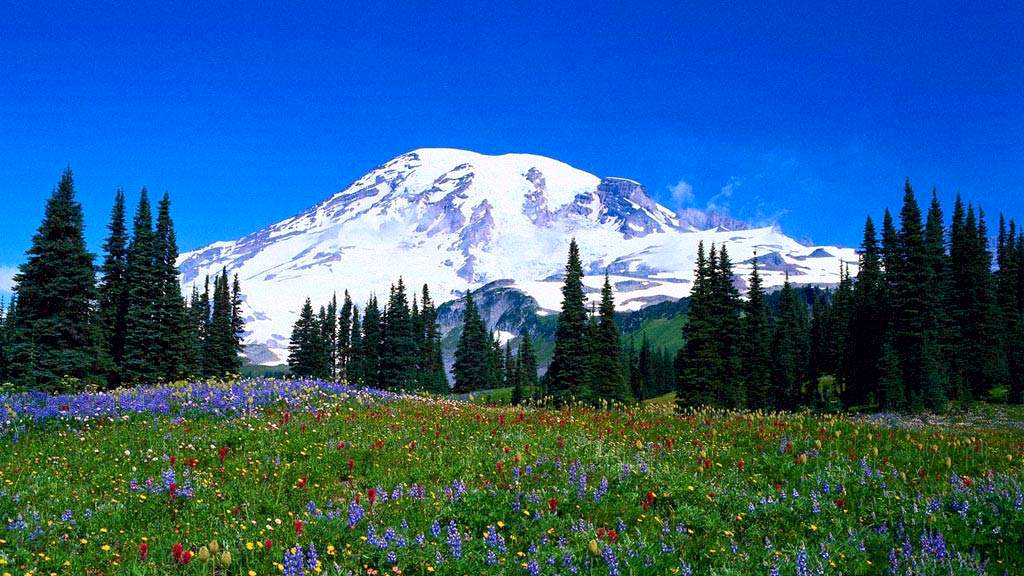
(458, 220)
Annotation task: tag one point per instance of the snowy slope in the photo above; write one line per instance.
(458, 219)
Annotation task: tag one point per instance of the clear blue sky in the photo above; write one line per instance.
(813, 114)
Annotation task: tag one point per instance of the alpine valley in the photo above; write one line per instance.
(497, 225)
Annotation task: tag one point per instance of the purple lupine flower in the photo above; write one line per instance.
(454, 540)
(294, 562)
(801, 562)
(610, 560)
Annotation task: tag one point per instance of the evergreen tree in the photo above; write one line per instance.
(344, 350)
(727, 385)
(172, 338)
(302, 355)
(432, 376)
(142, 321)
(698, 362)
(113, 290)
(755, 349)
(790, 349)
(526, 362)
(355, 366)
(867, 326)
(609, 379)
(567, 374)
(329, 334)
(936, 341)
(473, 351)
(56, 290)
(909, 299)
(398, 352)
(234, 362)
(371, 344)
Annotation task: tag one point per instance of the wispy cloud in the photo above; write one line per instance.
(682, 194)
(719, 203)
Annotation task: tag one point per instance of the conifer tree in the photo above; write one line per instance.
(329, 332)
(398, 355)
(909, 300)
(609, 378)
(567, 374)
(698, 361)
(472, 354)
(344, 351)
(790, 349)
(142, 321)
(728, 389)
(302, 355)
(526, 362)
(432, 376)
(512, 376)
(172, 338)
(867, 326)
(755, 349)
(56, 291)
(113, 290)
(355, 366)
(371, 344)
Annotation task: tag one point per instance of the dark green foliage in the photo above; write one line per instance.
(755, 346)
(343, 354)
(302, 354)
(371, 344)
(354, 366)
(431, 375)
(142, 321)
(567, 375)
(526, 363)
(473, 355)
(57, 335)
(866, 329)
(113, 290)
(790, 350)
(609, 376)
(172, 318)
(398, 357)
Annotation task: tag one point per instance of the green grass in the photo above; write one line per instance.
(729, 492)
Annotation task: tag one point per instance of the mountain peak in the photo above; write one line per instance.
(458, 219)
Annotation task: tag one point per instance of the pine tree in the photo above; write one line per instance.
(344, 350)
(56, 291)
(867, 326)
(472, 353)
(355, 365)
(170, 306)
(205, 314)
(234, 362)
(728, 389)
(526, 362)
(512, 376)
(113, 290)
(432, 376)
(142, 321)
(755, 349)
(936, 341)
(609, 380)
(398, 353)
(371, 344)
(909, 299)
(790, 349)
(302, 355)
(567, 374)
(698, 361)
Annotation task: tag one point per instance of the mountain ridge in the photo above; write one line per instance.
(460, 220)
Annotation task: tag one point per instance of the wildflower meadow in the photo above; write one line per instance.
(301, 477)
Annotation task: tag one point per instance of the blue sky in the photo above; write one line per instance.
(809, 114)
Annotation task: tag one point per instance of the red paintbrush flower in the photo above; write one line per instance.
(143, 551)
(372, 495)
(553, 505)
(840, 502)
(172, 459)
(741, 464)
(613, 535)
(351, 465)
(298, 527)
(176, 551)
(302, 482)
(172, 489)
(223, 453)
(499, 466)
(186, 556)
(268, 544)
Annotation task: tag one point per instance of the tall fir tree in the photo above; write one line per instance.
(113, 290)
(371, 344)
(56, 290)
(142, 320)
(432, 376)
(567, 375)
(526, 362)
(865, 335)
(472, 355)
(354, 366)
(344, 350)
(302, 354)
(610, 378)
(790, 349)
(755, 349)
(172, 339)
(398, 353)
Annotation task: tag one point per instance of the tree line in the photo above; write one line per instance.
(64, 330)
(929, 319)
(394, 347)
